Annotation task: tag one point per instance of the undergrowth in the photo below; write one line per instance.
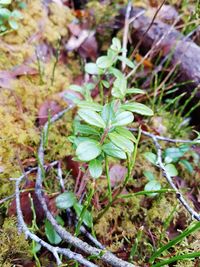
(136, 227)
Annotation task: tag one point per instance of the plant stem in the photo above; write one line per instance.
(84, 209)
(131, 165)
(191, 229)
(137, 240)
(54, 65)
(101, 93)
(136, 149)
(108, 179)
(176, 258)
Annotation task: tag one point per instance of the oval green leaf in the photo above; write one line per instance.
(88, 150)
(65, 200)
(125, 144)
(113, 151)
(91, 68)
(104, 62)
(91, 117)
(90, 105)
(138, 108)
(126, 133)
(171, 170)
(95, 168)
(123, 118)
(151, 157)
(87, 217)
(51, 234)
(152, 186)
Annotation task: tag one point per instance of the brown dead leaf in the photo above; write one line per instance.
(82, 40)
(146, 63)
(89, 48)
(117, 174)
(48, 108)
(73, 166)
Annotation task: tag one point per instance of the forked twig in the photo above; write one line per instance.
(54, 250)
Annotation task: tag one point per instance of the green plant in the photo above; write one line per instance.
(100, 129)
(68, 200)
(173, 157)
(9, 15)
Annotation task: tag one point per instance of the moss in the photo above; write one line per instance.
(13, 245)
(118, 223)
(36, 20)
(20, 104)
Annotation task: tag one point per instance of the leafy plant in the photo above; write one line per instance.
(152, 184)
(100, 129)
(64, 201)
(174, 156)
(10, 15)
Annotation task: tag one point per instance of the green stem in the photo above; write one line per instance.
(84, 209)
(176, 258)
(137, 241)
(141, 193)
(101, 93)
(38, 264)
(136, 149)
(54, 66)
(191, 229)
(108, 179)
(129, 172)
(130, 168)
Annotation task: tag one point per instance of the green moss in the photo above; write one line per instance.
(19, 106)
(13, 245)
(118, 223)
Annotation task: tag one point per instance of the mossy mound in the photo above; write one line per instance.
(23, 95)
(13, 245)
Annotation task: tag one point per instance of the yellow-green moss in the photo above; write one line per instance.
(118, 223)
(20, 104)
(13, 245)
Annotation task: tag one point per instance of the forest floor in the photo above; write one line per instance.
(38, 62)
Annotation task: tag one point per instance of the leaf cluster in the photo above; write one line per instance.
(10, 15)
(100, 128)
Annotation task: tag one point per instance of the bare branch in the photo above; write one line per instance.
(54, 250)
(162, 138)
(125, 35)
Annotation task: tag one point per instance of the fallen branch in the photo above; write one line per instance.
(54, 250)
(162, 138)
